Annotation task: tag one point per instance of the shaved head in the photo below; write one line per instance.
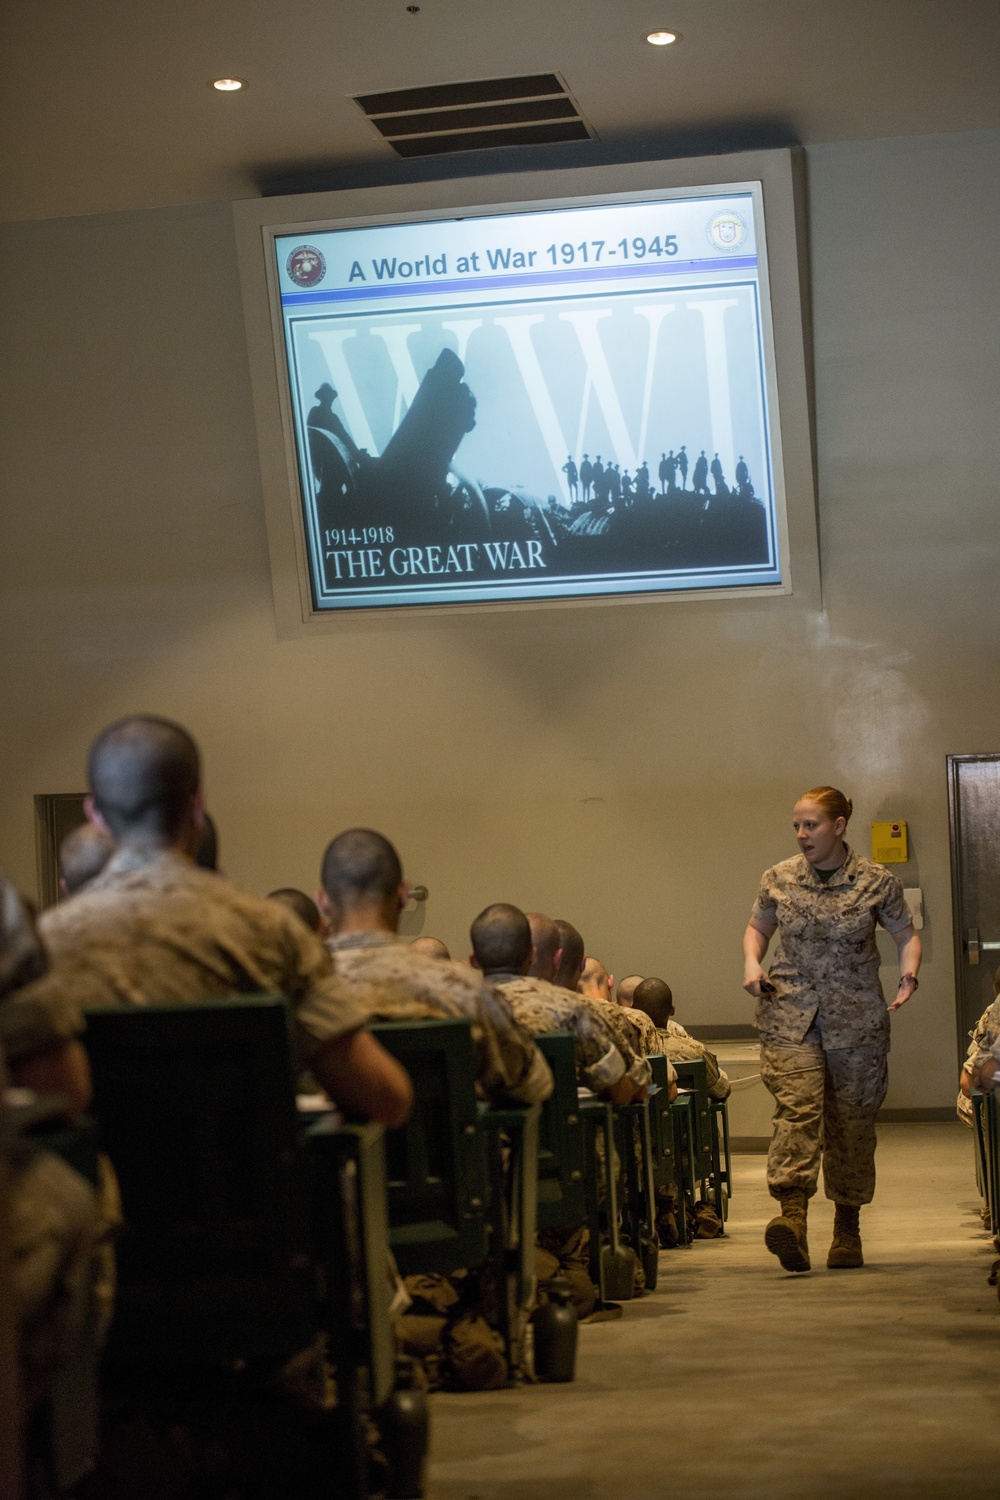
(430, 946)
(83, 854)
(22, 957)
(361, 868)
(501, 940)
(571, 963)
(545, 937)
(655, 998)
(302, 905)
(144, 773)
(595, 980)
(627, 988)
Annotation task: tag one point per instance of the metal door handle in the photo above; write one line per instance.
(973, 945)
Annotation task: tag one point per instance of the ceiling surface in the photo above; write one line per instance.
(107, 106)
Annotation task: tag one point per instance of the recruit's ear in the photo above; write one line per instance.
(92, 815)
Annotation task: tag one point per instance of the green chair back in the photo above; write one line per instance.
(692, 1075)
(562, 1150)
(196, 1109)
(438, 1177)
(661, 1127)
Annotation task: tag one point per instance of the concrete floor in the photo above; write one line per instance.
(735, 1379)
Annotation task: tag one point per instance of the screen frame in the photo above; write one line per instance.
(259, 222)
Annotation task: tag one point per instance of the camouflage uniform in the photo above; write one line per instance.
(55, 1231)
(390, 982)
(604, 1054)
(825, 1033)
(643, 1034)
(627, 1034)
(446, 1325)
(681, 1047)
(61, 1268)
(984, 1036)
(540, 1007)
(153, 928)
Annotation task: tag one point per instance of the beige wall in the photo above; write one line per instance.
(632, 768)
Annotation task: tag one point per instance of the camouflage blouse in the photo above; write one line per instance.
(541, 1006)
(826, 966)
(392, 983)
(152, 929)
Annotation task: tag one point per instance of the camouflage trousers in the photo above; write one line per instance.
(825, 1107)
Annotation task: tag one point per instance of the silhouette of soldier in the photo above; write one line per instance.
(699, 480)
(333, 454)
(642, 486)
(615, 483)
(627, 489)
(600, 483)
(682, 464)
(664, 472)
(324, 417)
(721, 487)
(586, 478)
(570, 470)
(742, 476)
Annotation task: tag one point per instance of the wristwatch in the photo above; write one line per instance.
(904, 977)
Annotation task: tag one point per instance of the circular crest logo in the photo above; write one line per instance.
(306, 265)
(727, 231)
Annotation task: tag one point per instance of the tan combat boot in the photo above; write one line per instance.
(845, 1252)
(785, 1236)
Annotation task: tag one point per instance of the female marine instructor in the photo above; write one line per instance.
(823, 1021)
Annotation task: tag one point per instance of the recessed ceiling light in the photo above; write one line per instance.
(228, 85)
(662, 38)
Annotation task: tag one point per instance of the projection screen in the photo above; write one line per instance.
(548, 401)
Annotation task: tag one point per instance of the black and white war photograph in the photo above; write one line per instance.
(545, 438)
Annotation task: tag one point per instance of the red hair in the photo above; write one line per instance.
(833, 803)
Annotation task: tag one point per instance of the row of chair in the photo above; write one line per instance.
(251, 1227)
(439, 1174)
(988, 1154)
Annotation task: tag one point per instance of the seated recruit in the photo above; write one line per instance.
(502, 950)
(653, 997)
(362, 894)
(154, 928)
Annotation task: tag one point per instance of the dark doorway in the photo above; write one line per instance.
(974, 810)
(56, 815)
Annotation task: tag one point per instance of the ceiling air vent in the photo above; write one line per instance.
(531, 111)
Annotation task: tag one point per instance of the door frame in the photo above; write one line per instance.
(958, 930)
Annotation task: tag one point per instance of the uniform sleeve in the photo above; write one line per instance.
(35, 1017)
(636, 1066)
(765, 908)
(599, 1063)
(892, 911)
(986, 1030)
(687, 1049)
(509, 1064)
(324, 1009)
